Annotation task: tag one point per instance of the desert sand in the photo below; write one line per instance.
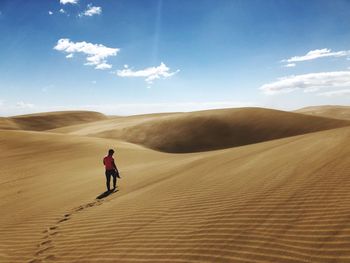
(331, 111)
(236, 185)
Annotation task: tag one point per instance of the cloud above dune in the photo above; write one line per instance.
(97, 54)
(308, 82)
(315, 54)
(24, 105)
(91, 10)
(63, 2)
(335, 93)
(149, 74)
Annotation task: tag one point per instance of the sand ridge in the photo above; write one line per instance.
(205, 130)
(49, 120)
(329, 111)
(283, 200)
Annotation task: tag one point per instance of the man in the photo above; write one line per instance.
(111, 170)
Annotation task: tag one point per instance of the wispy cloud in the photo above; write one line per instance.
(62, 11)
(150, 74)
(308, 82)
(290, 65)
(69, 1)
(50, 13)
(91, 10)
(316, 54)
(24, 105)
(97, 54)
(335, 93)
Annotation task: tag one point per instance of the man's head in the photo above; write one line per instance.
(110, 152)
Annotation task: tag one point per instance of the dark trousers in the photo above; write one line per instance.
(108, 174)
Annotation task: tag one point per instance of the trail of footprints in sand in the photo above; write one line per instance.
(45, 247)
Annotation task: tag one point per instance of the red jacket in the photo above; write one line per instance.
(108, 161)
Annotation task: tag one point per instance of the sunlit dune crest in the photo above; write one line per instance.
(206, 130)
(49, 120)
(330, 111)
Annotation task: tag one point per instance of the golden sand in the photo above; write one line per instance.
(277, 200)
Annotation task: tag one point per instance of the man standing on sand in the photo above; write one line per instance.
(111, 170)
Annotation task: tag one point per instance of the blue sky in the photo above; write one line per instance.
(139, 56)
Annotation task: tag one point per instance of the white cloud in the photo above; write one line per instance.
(336, 93)
(24, 105)
(69, 1)
(62, 11)
(50, 13)
(91, 10)
(70, 55)
(317, 53)
(308, 82)
(150, 74)
(96, 53)
(103, 66)
(290, 65)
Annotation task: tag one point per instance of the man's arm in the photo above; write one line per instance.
(116, 169)
(114, 166)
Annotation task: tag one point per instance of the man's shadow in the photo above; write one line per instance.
(107, 193)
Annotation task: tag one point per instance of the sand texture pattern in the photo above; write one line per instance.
(279, 200)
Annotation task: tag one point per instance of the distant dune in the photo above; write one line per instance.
(49, 120)
(285, 200)
(206, 130)
(330, 111)
(8, 124)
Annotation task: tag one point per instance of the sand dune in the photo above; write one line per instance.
(206, 130)
(8, 124)
(330, 111)
(283, 200)
(280, 201)
(49, 120)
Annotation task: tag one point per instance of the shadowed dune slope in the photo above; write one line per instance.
(207, 130)
(49, 120)
(330, 111)
(284, 200)
(8, 124)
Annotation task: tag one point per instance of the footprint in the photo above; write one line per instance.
(89, 205)
(79, 208)
(53, 227)
(41, 251)
(45, 242)
(50, 257)
(62, 220)
(35, 261)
